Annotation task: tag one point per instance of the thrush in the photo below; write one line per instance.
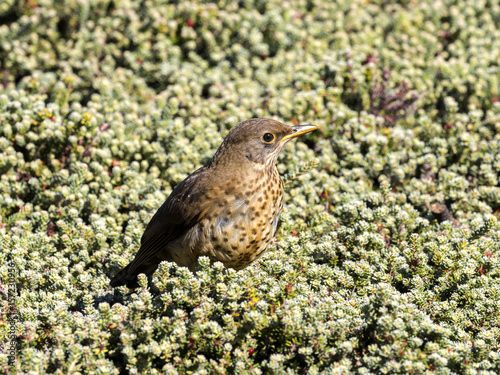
(227, 210)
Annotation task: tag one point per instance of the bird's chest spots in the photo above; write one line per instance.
(242, 230)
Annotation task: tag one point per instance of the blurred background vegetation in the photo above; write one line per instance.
(106, 105)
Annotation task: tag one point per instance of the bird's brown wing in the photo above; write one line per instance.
(180, 212)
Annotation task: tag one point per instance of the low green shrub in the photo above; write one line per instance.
(107, 105)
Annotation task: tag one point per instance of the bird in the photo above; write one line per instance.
(227, 210)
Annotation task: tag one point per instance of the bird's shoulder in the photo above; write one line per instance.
(181, 209)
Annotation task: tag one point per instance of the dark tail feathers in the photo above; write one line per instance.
(125, 277)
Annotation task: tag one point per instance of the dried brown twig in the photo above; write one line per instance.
(392, 104)
(441, 213)
(102, 128)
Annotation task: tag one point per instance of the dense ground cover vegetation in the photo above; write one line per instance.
(107, 105)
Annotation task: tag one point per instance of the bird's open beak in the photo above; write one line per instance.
(299, 130)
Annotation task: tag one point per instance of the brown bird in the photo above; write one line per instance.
(227, 210)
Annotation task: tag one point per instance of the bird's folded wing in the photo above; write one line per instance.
(181, 211)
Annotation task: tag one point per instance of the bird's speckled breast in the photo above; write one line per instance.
(240, 229)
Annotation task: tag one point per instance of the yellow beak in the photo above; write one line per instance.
(299, 130)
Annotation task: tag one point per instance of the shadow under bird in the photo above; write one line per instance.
(227, 210)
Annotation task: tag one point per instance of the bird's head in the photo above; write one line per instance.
(257, 141)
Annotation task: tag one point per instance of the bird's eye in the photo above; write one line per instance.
(268, 137)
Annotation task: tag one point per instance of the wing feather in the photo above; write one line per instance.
(173, 219)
